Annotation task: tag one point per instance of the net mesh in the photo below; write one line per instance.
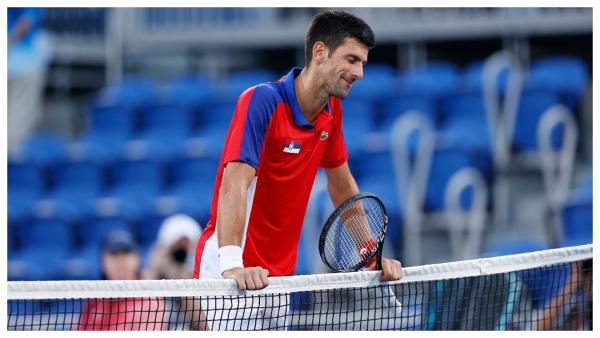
(536, 291)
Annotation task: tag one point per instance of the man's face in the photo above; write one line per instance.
(344, 66)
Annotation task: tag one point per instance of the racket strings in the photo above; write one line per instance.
(354, 234)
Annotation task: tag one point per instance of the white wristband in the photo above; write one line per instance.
(230, 256)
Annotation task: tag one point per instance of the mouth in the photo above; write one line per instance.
(347, 82)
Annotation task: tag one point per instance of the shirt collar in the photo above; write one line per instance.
(288, 85)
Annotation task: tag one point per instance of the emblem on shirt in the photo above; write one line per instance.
(292, 147)
(324, 135)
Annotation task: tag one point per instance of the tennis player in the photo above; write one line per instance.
(280, 134)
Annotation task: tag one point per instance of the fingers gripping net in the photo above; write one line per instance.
(536, 291)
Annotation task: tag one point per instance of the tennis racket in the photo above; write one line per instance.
(353, 236)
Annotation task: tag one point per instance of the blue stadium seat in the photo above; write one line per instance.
(81, 264)
(567, 75)
(25, 177)
(471, 78)
(470, 139)
(46, 234)
(137, 181)
(93, 229)
(433, 80)
(45, 243)
(131, 93)
(11, 239)
(219, 116)
(237, 82)
(585, 187)
(446, 161)
(464, 123)
(358, 117)
(513, 246)
(190, 170)
(385, 189)
(165, 120)
(377, 163)
(217, 120)
(78, 183)
(110, 122)
(19, 207)
(444, 71)
(532, 106)
(137, 172)
(577, 215)
(25, 184)
(19, 269)
(149, 227)
(194, 199)
(462, 107)
(577, 219)
(394, 108)
(378, 83)
(192, 93)
(110, 127)
(165, 128)
(43, 149)
(165, 206)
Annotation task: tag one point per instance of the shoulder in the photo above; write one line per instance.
(264, 94)
(260, 102)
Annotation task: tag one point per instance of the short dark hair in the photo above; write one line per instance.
(332, 28)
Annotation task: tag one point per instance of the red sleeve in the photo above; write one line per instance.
(335, 153)
(249, 125)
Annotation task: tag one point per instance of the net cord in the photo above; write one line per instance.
(220, 287)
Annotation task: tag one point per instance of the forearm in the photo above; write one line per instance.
(231, 214)
(341, 185)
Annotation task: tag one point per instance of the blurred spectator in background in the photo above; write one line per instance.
(172, 256)
(29, 51)
(121, 261)
(571, 309)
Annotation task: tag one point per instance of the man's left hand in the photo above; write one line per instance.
(391, 269)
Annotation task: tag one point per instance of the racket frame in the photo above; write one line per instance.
(330, 221)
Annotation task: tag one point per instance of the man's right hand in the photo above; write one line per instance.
(254, 278)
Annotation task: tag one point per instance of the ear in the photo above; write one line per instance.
(319, 52)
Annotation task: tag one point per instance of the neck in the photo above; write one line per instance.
(310, 94)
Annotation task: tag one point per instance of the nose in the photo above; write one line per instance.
(357, 72)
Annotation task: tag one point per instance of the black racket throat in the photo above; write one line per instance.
(360, 219)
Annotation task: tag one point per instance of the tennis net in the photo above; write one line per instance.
(548, 289)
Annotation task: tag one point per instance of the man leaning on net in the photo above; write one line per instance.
(281, 133)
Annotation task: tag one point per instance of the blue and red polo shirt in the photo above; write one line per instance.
(269, 132)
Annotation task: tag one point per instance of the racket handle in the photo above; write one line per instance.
(378, 255)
